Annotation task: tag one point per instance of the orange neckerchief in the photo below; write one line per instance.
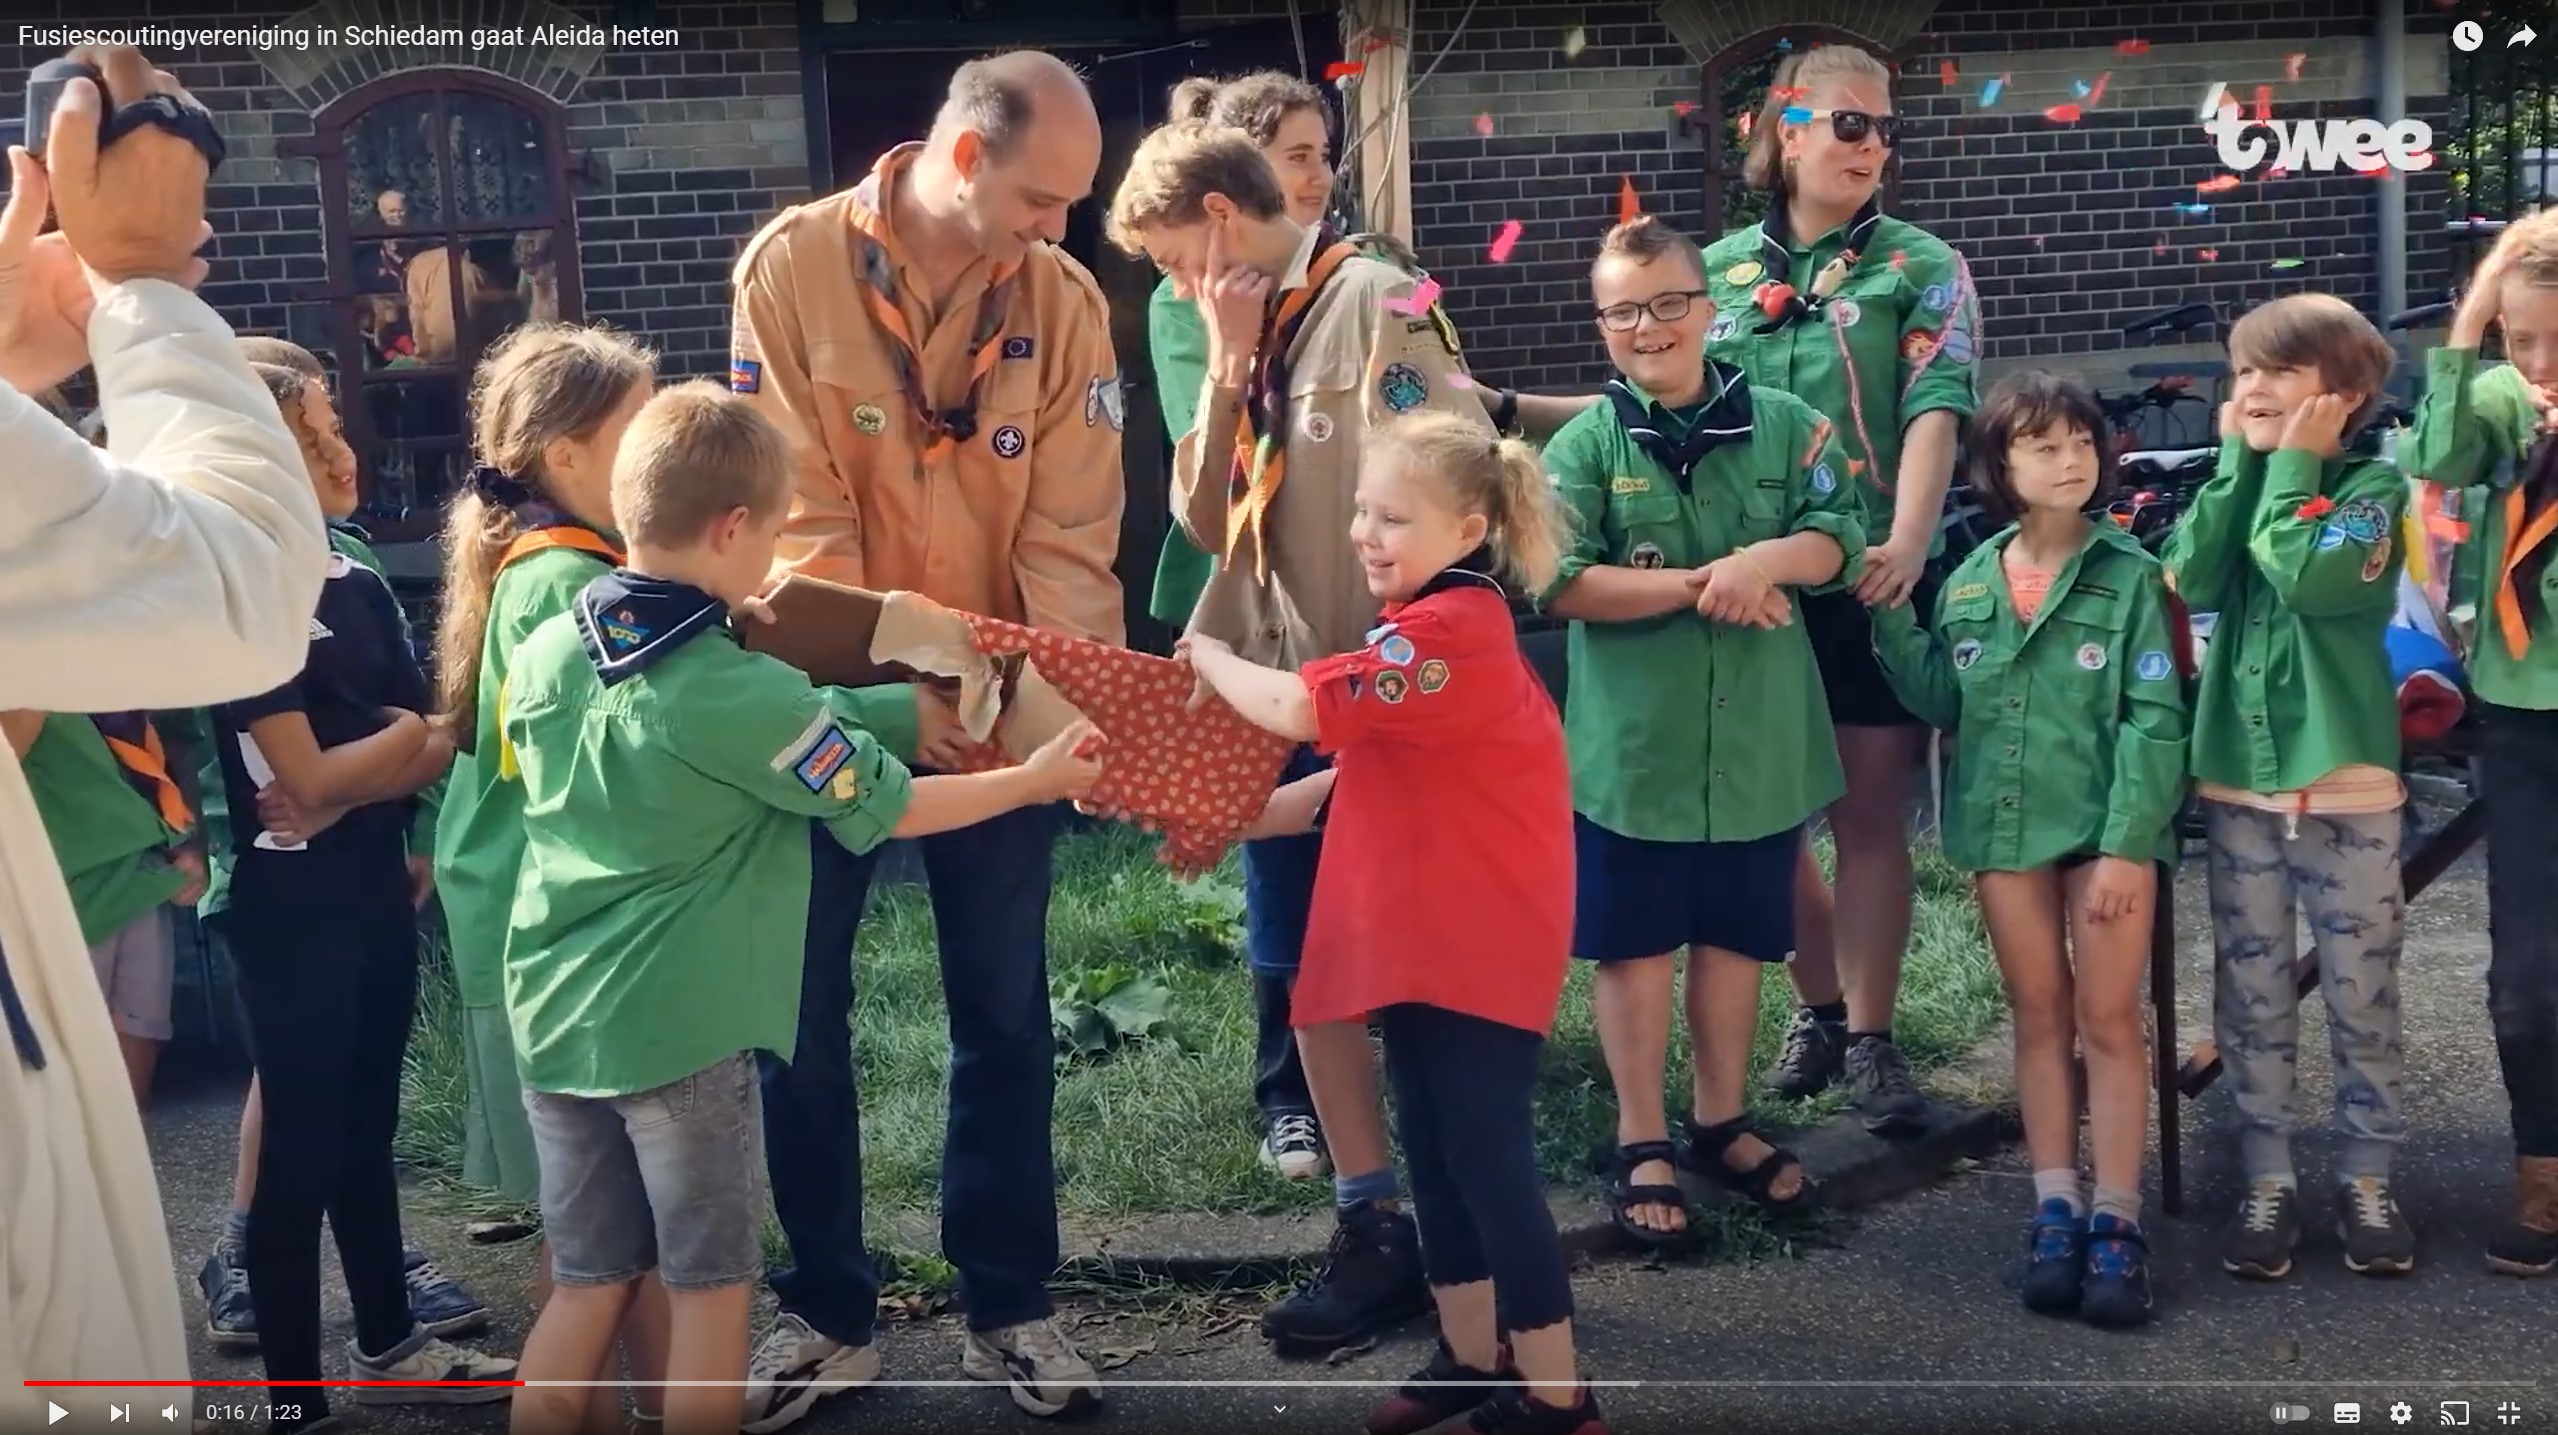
(2523, 533)
(875, 257)
(1261, 458)
(584, 540)
(137, 749)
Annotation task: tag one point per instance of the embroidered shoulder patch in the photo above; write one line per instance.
(1391, 685)
(1434, 675)
(745, 376)
(1020, 346)
(1104, 399)
(1396, 650)
(1402, 388)
(816, 754)
(2154, 666)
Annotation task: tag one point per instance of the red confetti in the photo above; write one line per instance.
(1629, 204)
(2318, 507)
(1945, 73)
(2131, 47)
(1683, 108)
(1787, 93)
(2292, 64)
(1899, 259)
(2264, 104)
(2062, 114)
(1483, 125)
(1506, 240)
(2208, 256)
(2277, 172)
(1856, 468)
(2096, 92)
(2217, 183)
(1342, 69)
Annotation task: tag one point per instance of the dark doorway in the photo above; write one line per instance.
(877, 99)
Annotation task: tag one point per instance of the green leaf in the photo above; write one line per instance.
(1138, 1007)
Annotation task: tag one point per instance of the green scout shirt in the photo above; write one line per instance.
(1682, 730)
(662, 903)
(1899, 339)
(109, 839)
(2472, 432)
(2069, 731)
(2299, 558)
(1177, 341)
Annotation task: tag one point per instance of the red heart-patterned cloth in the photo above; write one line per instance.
(1198, 778)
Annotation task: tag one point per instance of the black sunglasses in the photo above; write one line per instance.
(1851, 126)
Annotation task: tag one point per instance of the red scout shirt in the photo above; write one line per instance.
(1446, 876)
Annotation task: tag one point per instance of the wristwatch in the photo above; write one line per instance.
(1505, 411)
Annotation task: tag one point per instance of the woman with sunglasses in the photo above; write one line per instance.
(1874, 323)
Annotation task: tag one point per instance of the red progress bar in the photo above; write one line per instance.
(279, 1384)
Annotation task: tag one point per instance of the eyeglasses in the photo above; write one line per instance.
(1668, 308)
(1850, 126)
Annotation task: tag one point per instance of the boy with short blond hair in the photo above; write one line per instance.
(660, 915)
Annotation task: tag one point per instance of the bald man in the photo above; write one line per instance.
(945, 374)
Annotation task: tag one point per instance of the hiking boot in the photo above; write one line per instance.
(1371, 1280)
(2529, 1245)
(230, 1318)
(1512, 1413)
(2260, 1247)
(794, 1367)
(437, 1302)
(2378, 1240)
(1293, 1147)
(1036, 1363)
(1438, 1393)
(2116, 1290)
(1879, 1086)
(2055, 1258)
(1815, 1053)
(426, 1370)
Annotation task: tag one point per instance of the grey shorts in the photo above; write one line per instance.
(669, 1180)
(135, 968)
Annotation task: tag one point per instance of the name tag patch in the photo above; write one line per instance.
(1967, 592)
(1630, 484)
(816, 755)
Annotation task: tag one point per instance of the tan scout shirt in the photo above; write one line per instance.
(1020, 521)
(1355, 363)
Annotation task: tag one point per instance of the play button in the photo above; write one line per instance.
(53, 1412)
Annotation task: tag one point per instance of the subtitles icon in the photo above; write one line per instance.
(2349, 1412)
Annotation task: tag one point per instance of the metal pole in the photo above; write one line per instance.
(2389, 197)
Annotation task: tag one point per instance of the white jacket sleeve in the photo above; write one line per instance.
(178, 570)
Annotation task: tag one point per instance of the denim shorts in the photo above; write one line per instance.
(669, 1180)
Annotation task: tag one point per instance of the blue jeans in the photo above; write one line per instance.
(989, 886)
(1278, 893)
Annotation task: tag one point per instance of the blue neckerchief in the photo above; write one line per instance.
(1725, 418)
(1472, 571)
(631, 620)
(22, 1031)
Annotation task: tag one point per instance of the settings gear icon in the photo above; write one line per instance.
(2401, 1412)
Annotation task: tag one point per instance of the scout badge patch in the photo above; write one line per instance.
(2091, 656)
(1646, 555)
(1318, 426)
(1966, 653)
(1105, 399)
(1020, 346)
(1397, 650)
(1391, 685)
(1009, 442)
(2155, 666)
(870, 419)
(1433, 675)
(816, 754)
(1402, 388)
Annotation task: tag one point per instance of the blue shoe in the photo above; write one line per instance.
(2056, 1258)
(230, 1318)
(437, 1302)
(2117, 1283)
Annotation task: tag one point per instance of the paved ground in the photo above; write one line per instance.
(1903, 1319)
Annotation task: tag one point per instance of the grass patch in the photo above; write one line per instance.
(1163, 1121)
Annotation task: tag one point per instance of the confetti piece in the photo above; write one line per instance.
(2211, 102)
(1783, 45)
(2080, 88)
(2038, 241)
(1424, 294)
(2193, 209)
(2277, 172)
(1989, 92)
(2318, 507)
(1575, 40)
(2289, 263)
(1683, 108)
(1458, 379)
(1796, 115)
(1749, 122)
(2264, 104)
(2208, 256)
(2292, 64)
(1856, 468)
(2131, 47)
(1342, 69)
(1946, 74)
(2217, 183)
(2096, 96)
(2062, 114)
(1629, 204)
(1898, 260)
(1483, 125)
(1506, 240)
(2158, 249)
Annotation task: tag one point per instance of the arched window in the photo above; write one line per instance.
(1735, 84)
(447, 211)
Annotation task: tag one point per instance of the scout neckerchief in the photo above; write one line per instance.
(1386, 249)
(1723, 418)
(1472, 571)
(1775, 296)
(876, 268)
(137, 749)
(1261, 435)
(2527, 528)
(630, 621)
(539, 524)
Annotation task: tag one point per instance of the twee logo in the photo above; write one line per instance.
(2320, 146)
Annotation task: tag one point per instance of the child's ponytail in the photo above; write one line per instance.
(537, 385)
(1528, 532)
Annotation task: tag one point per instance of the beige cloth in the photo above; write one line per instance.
(179, 568)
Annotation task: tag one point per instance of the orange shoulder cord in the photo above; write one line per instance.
(584, 540)
(1261, 460)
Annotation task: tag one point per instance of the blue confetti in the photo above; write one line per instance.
(2193, 209)
(1783, 45)
(2079, 88)
(1989, 92)
(1796, 115)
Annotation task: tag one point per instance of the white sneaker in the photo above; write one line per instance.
(794, 1367)
(435, 1360)
(1037, 1363)
(1293, 1147)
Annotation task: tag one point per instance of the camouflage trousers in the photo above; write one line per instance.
(2266, 869)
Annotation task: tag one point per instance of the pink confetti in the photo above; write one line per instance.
(1946, 74)
(1342, 69)
(1460, 380)
(1425, 294)
(2158, 249)
(2131, 47)
(2208, 256)
(2096, 96)
(2264, 104)
(1506, 240)
(2292, 64)
(1483, 125)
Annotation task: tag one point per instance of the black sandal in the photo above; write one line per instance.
(1704, 1159)
(1624, 1195)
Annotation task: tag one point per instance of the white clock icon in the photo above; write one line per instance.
(2467, 37)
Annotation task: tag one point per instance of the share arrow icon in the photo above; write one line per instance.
(2523, 36)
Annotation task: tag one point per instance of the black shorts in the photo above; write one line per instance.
(1843, 645)
(1636, 898)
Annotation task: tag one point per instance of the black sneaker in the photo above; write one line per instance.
(2117, 1285)
(2378, 1240)
(230, 1317)
(2055, 1258)
(1815, 1053)
(1371, 1280)
(2260, 1246)
(1513, 1413)
(1879, 1085)
(1438, 1393)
